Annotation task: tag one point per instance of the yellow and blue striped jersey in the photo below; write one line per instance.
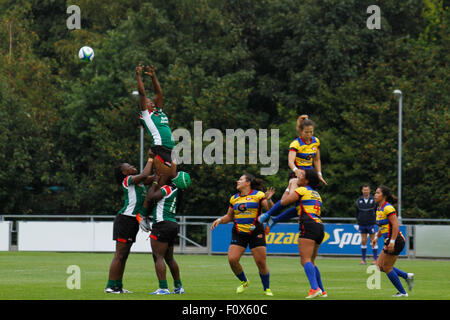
(305, 152)
(309, 204)
(383, 212)
(246, 210)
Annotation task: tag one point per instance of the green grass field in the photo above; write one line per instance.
(42, 276)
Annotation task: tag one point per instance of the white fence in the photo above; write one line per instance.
(72, 236)
(5, 235)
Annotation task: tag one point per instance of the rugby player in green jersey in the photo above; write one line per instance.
(156, 123)
(164, 202)
(125, 226)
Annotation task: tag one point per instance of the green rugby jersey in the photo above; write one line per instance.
(165, 209)
(134, 197)
(157, 125)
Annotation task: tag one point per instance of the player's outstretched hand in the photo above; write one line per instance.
(139, 69)
(149, 71)
(269, 193)
(323, 180)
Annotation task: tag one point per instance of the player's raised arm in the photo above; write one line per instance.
(141, 88)
(150, 71)
(267, 202)
(136, 179)
(290, 196)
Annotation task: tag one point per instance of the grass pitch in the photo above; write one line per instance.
(43, 276)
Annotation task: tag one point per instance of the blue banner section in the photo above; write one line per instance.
(339, 239)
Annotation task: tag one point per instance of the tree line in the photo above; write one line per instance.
(66, 124)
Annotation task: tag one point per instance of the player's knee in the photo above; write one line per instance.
(233, 260)
(122, 256)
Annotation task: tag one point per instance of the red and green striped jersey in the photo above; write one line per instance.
(166, 208)
(157, 125)
(134, 197)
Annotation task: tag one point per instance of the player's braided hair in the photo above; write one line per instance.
(118, 174)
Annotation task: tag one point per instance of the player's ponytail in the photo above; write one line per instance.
(255, 183)
(386, 192)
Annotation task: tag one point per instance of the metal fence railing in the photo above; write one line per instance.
(195, 234)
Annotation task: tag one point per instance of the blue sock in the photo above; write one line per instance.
(311, 274)
(396, 281)
(265, 279)
(241, 276)
(401, 273)
(319, 279)
(275, 209)
(285, 215)
(375, 253)
(363, 252)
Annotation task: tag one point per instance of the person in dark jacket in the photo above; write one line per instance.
(366, 208)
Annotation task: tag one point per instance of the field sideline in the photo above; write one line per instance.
(43, 276)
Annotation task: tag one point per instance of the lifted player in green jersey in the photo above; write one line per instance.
(156, 123)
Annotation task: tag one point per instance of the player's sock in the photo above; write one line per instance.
(311, 274)
(111, 283)
(375, 253)
(363, 252)
(163, 284)
(265, 279)
(401, 273)
(277, 207)
(177, 283)
(396, 281)
(285, 215)
(241, 276)
(319, 279)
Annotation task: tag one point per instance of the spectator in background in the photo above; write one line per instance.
(366, 208)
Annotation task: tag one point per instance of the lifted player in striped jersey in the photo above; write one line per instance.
(156, 124)
(164, 201)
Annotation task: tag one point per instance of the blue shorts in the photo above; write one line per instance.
(370, 229)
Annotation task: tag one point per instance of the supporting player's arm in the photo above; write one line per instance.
(225, 219)
(154, 194)
(141, 88)
(144, 174)
(290, 196)
(150, 71)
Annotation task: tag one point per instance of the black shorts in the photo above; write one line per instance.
(165, 231)
(312, 230)
(164, 154)
(398, 246)
(125, 228)
(256, 238)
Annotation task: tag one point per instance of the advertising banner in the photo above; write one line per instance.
(342, 239)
